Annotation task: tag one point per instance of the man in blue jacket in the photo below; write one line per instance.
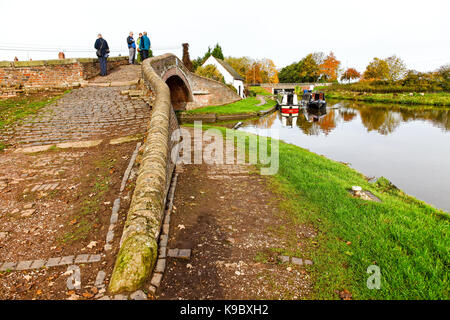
(144, 46)
(102, 53)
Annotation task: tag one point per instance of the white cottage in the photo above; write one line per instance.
(229, 74)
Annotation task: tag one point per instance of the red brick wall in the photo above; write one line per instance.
(51, 73)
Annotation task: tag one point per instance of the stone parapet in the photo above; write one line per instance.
(138, 251)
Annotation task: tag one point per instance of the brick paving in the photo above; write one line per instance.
(82, 114)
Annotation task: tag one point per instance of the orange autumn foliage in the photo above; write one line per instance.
(329, 67)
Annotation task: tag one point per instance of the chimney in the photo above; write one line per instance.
(186, 59)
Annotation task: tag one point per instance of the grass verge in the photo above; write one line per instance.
(12, 110)
(406, 238)
(247, 105)
(259, 91)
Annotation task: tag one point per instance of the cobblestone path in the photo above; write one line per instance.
(85, 113)
(122, 73)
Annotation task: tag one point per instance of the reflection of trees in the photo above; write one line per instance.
(307, 127)
(328, 123)
(372, 118)
(381, 120)
(347, 114)
(324, 122)
(392, 121)
(439, 118)
(264, 122)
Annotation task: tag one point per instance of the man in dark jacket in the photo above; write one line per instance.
(131, 48)
(102, 53)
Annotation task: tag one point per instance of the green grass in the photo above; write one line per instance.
(433, 99)
(12, 110)
(247, 105)
(259, 91)
(406, 238)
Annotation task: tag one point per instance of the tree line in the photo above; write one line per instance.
(253, 71)
(319, 67)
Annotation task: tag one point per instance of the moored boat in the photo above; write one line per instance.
(288, 104)
(314, 99)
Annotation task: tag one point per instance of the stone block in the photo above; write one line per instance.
(8, 266)
(173, 253)
(138, 295)
(95, 258)
(66, 260)
(37, 264)
(160, 265)
(156, 279)
(184, 253)
(53, 262)
(297, 261)
(82, 258)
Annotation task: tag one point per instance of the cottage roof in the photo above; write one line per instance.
(236, 76)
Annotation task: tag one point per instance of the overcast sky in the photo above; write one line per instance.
(283, 30)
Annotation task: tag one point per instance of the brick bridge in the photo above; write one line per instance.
(188, 90)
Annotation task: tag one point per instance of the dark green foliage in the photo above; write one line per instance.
(306, 70)
(217, 52)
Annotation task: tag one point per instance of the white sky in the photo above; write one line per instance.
(283, 30)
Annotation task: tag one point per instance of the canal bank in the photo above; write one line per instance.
(409, 146)
(406, 238)
(406, 99)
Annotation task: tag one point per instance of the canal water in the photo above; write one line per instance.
(408, 146)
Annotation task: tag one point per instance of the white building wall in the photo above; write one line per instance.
(229, 79)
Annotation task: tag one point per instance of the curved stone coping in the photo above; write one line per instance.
(138, 251)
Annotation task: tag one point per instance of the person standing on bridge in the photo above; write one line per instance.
(144, 46)
(102, 53)
(131, 48)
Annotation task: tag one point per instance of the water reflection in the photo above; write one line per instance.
(411, 147)
(383, 120)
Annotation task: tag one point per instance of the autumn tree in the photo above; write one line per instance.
(306, 70)
(269, 72)
(211, 72)
(329, 67)
(397, 68)
(241, 65)
(444, 76)
(350, 74)
(378, 69)
(254, 73)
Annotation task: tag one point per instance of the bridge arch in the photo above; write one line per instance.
(180, 90)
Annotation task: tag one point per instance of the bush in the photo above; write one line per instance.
(211, 72)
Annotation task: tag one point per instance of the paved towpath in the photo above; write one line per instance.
(238, 235)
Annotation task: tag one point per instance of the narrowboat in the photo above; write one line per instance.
(314, 99)
(288, 104)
